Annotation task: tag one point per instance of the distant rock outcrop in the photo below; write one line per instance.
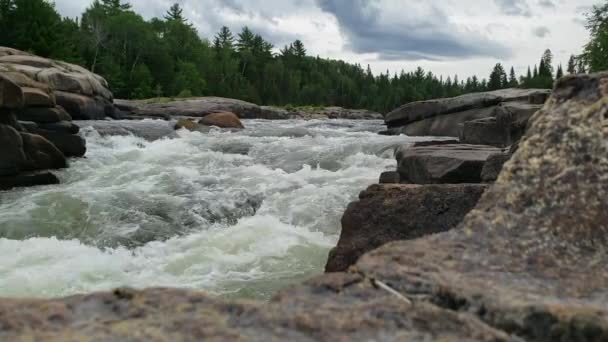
(446, 117)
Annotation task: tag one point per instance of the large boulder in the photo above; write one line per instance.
(443, 117)
(41, 154)
(191, 107)
(12, 156)
(28, 180)
(83, 94)
(441, 164)
(11, 95)
(44, 115)
(386, 213)
(222, 120)
(71, 145)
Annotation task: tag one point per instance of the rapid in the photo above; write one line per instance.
(238, 214)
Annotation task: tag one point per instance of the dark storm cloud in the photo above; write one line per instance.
(514, 7)
(541, 31)
(429, 36)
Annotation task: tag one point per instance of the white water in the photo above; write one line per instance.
(236, 214)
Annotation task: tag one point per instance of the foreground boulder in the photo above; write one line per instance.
(444, 117)
(222, 120)
(386, 213)
(443, 164)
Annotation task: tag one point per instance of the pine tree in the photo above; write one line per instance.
(498, 78)
(560, 72)
(513, 79)
(298, 49)
(175, 13)
(572, 65)
(594, 55)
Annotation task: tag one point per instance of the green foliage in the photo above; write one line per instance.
(595, 55)
(164, 58)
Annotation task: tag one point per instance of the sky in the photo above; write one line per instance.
(447, 37)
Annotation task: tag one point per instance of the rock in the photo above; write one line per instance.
(7, 117)
(222, 120)
(66, 127)
(436, 143)
(27, 180)
(386, 213)
(390, 177)
(83, 107)
(28, 126)
(274, 113)
(531, 258)
(11, 95)
(43, 115)
(191, 107)
(493, 167)
(11, 151)
(41, 154)
(70, 145)
(33, 97)
(417, 111)
(83, 94)
(507, 125)
(188, 124)
(443, 164)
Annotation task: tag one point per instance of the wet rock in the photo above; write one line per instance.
(386, 213)
(443, 164)
(390, 177)
(222, 120)
(83, 107)
(41, 154)
(43, 115)
(27, 180)
(70, 145)
(11, 95)
(493, 166)
(188, 124)
(12, 156)
(66, 127)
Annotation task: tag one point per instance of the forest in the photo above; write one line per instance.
(166, 57)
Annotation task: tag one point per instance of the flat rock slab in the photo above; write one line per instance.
(386, 213)
(418, 111)
(443, 164)
(191, 107)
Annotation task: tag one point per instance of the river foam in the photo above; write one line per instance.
(238, 214)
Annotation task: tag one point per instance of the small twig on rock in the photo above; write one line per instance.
(379, 284)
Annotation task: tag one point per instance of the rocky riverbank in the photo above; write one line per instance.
(526, 264)
(167, 108)
(38, 100)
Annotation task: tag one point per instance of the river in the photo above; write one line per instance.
(237, 214)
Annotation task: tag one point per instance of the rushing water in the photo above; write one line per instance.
(238, 214)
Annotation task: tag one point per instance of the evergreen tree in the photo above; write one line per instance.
(560, 72)
(572, 65)
(175, 13)
(513, 79)
(498, 78)
(595, 54)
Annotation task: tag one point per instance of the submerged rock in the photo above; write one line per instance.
(222, 120)
(386, 213)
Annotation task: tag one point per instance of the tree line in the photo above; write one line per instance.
(166, 57)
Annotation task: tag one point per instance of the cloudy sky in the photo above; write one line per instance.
(448, 37)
